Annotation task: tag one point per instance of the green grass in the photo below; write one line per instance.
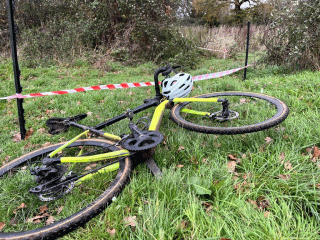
(251, 203)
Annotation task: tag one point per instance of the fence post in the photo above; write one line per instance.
(16, 69)
(247, 52)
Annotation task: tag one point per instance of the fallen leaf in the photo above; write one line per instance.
(112, 232)
(42, 130)
(29, 133)
(242, 186)
(16, 137)
(49, 111)
(22, 205)
(246, 175)
(90, 167)
(233, 157)
(252, 202)
(130, 221)
(183, 224)
(282, 157)
(231, 166)
(43, 208)
(35, 220)
(13, 222)
(266, 214)
(208, 206)
(89, 113)
(59, 209)
(50, 220)
(263, 202)
(244, 100)
(7, 158)
(78, 103)
(46, 144)
(287, 165)
(284, 176)
(179, 166)
(268, 140)
(2, 225)
(286, 136)
(308, 150)
(316, 153)
(180, 148)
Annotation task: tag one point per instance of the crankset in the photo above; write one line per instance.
(57, 125)
(144, 141)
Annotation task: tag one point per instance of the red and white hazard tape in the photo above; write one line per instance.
(123, 85)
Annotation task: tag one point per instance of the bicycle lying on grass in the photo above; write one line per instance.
(78, 179)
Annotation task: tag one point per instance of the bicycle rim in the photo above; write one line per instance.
(26, 217)
(250, 112)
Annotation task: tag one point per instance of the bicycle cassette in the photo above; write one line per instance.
(146, 140)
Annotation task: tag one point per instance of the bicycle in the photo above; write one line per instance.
(64, 174)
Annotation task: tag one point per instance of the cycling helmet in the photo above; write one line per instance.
(179, 85)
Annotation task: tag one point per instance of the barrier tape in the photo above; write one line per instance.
(122, 85)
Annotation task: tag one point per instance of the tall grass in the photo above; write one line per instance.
(225, 41)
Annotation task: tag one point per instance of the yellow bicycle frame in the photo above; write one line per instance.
(154, 126)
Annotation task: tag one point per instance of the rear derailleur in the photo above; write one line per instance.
(53, 182)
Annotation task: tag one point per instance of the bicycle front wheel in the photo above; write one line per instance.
(27, 216)
(249, 112)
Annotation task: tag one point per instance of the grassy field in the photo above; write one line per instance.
(271, 192)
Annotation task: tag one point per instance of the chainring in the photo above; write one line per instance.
(146, 141)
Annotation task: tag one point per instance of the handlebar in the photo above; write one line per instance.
(165, 71)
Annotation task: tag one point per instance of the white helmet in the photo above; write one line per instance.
(179, 85)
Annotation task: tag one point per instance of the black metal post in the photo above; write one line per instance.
(247, 52)
(16, 69)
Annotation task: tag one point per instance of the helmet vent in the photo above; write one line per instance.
(182, 86)
(173, 82)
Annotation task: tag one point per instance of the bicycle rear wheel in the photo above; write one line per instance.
(249, 112)
(27, 217)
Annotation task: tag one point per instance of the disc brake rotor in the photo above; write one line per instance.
(218, 116)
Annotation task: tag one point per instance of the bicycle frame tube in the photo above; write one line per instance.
(185, 110)
(94, 158)
(158, 113)
(67, 144)
(107, 169)
(149, 103)
(98, 157)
